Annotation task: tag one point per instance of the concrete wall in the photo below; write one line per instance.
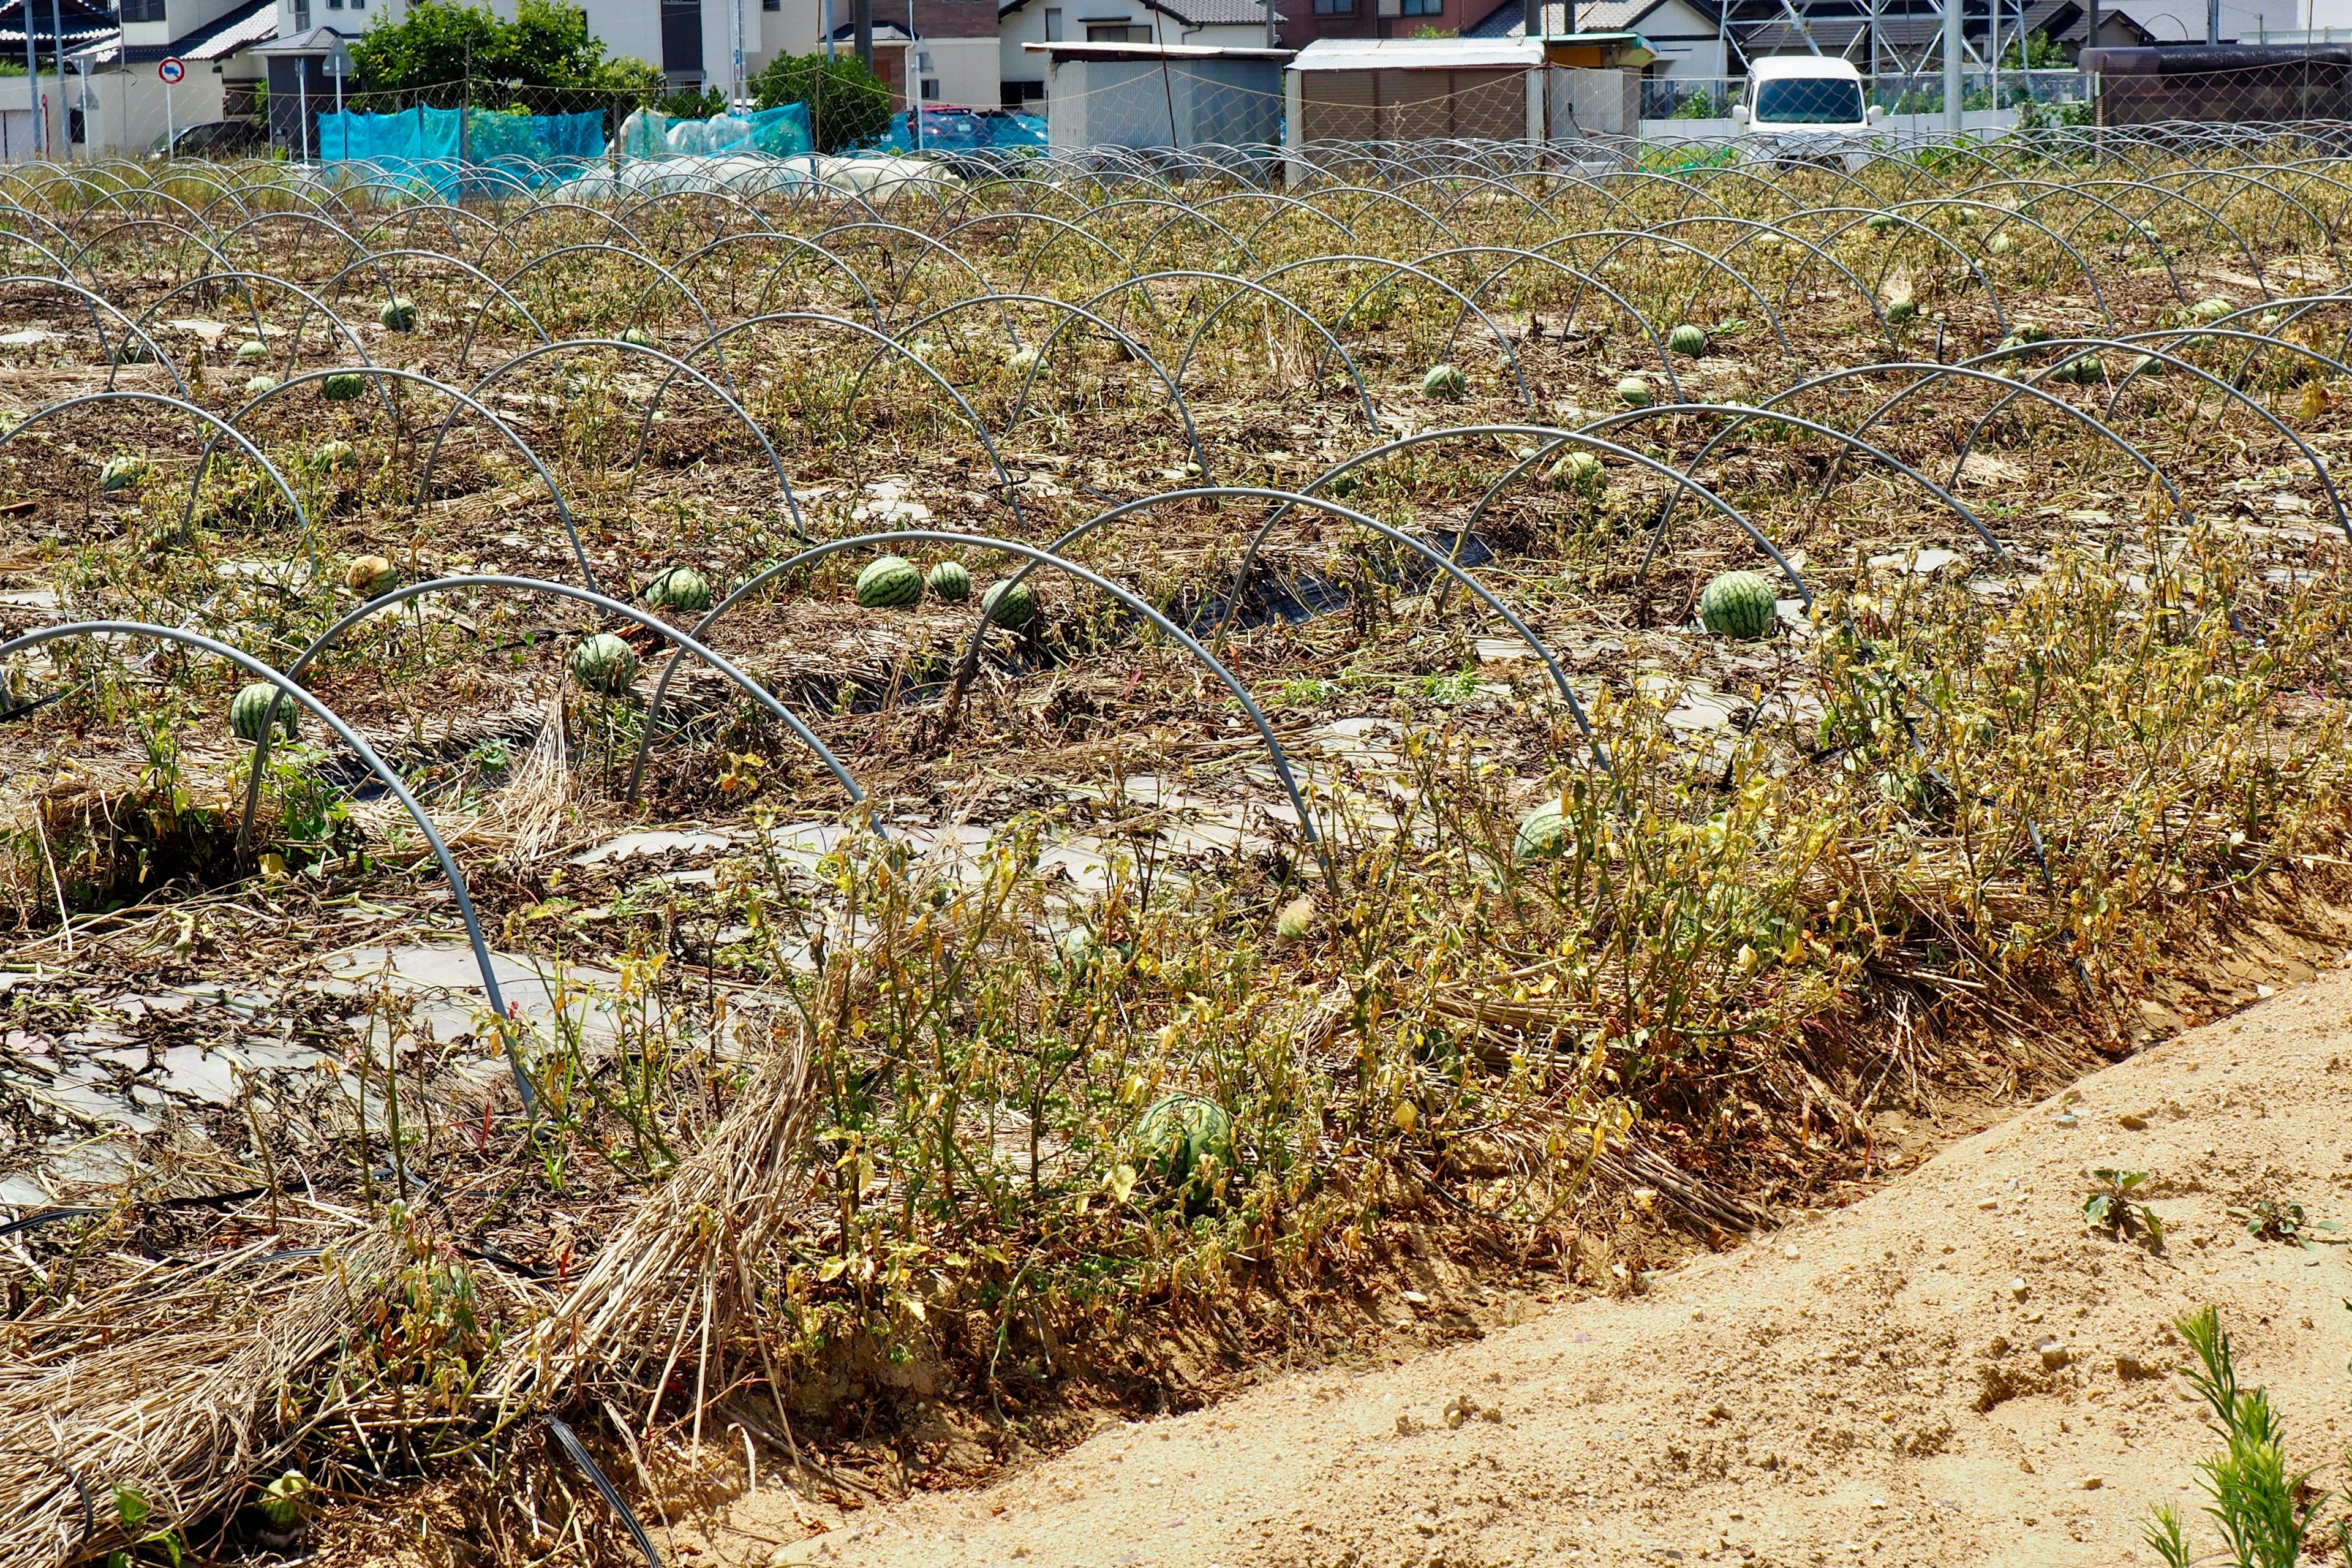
(130, 113)
(1901, 127)
(17, 139)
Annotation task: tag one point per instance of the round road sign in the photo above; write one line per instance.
(173, 72)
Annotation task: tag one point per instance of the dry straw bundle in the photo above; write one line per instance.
(678, 1274)
(175, 1385)
(169, 1389)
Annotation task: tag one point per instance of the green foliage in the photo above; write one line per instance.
(2110, 1207)
(691, 105)
(847, 104)
(547, 45)
(2261, 1510)
(2036, 51)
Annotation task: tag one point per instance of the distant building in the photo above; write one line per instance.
(1200, 24)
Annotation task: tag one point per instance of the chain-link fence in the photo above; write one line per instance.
(2224, 84)
(1912, 93)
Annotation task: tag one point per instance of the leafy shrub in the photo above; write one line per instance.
(847, 104)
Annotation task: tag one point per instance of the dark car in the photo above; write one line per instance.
(215, 139)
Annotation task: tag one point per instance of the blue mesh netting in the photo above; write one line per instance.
(962, 130)
(780, 132)
(423, 144)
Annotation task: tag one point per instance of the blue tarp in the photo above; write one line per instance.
(521, 146)
(963, 130)
(780, 133)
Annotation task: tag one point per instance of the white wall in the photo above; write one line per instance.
(966, 70)
(2183, 21)
(16, 138)
(1028, 26)
(130, 103)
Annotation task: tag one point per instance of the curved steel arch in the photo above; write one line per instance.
(376, 258)
(245, 282)
(1034, 557)
(1738, 414)
(1070, 312)
(1395, 270)
(773, 236)
(222, 427)
(677, 365)
(980, 426)
(1629, 237)
(1372, 415)
(419, 378)
(93, 300)
(685, 643)
(286, 688)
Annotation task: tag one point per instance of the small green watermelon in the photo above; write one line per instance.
(1184, 1140)
(604, 664)
(1009, 604)
(1543, 835)
(1738, 604)
(950, 582)
(248, 712)
(681, 588)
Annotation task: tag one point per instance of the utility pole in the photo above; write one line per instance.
(58, 42)
(861, 12)
(32, 79)
(1952, 78)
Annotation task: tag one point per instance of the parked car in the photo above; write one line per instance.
(214, 139)
(1805, 107)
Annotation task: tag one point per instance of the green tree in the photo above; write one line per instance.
(847, 104)
(548, 44)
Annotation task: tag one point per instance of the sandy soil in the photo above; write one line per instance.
(1949, 1372)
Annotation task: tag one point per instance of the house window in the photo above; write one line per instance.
(142, 10)
(1020, 93)
(1424, 8)
(1335, 8)
(1053, 25)
(1117, 33)
(334, 4)
(302, 14)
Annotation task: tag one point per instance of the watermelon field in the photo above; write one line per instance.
(662, 840)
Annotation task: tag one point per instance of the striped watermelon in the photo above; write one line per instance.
(888, 583)
(248, 712)
(950, 582)
(1738, 604)
(1009, 604)
(605, 664)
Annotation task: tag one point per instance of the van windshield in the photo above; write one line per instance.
(1809, 100)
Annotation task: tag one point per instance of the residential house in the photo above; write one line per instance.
(1202, 24)
(1692, 55)
(37, 117)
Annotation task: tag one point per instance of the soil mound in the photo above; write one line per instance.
(1948, 1372)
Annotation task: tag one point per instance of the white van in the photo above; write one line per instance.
(1805, 106)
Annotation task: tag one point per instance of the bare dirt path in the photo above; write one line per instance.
(1949, 1372)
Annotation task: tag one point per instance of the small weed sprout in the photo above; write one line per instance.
(2110, 1207)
